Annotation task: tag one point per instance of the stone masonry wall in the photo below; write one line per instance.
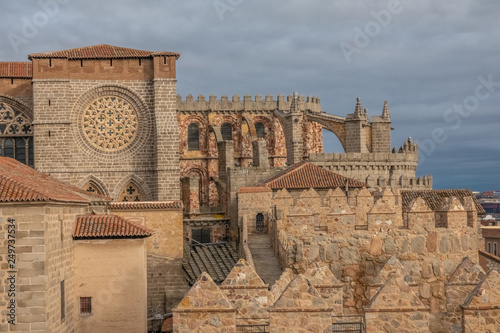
(43, 260)
(430, 254)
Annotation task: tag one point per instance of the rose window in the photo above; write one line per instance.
(110, 123)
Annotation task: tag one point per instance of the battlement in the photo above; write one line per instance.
(247, 103)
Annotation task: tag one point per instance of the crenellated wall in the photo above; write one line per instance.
(356, 234)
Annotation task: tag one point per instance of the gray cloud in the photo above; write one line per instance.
(426, 59)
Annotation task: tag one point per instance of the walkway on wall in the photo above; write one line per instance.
(266, 263)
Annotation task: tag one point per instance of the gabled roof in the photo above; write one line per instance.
(216, 259)
(102, 51)
(434, 198)
(93, 226)
(304, 175)
(20, 183)
(21, 70)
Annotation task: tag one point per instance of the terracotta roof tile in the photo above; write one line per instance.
(145, 205)
(434, 198)
(304, 175)
(22, 70)
(491, 232)
(102, 51)
(215, 259)
(94, 226)
(20, 183)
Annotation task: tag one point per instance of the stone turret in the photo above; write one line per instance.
(355, 130)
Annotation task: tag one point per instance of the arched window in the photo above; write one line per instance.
(261, 130)
(16, 134)
(193, 137)
(227, 131)
(131, 193)
(31, 157)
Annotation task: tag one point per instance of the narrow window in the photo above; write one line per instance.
(193, 137)
(488, 247)
(49, 102)
(50, 62)
(164, 60)
(9, 148)
(261, 130)
(31, 158)
(111, 62)
(11, 81)
(85, 305)
(140, 62)
(21, 150)
(63, 301)
(495, 248)
(81, 63)
(259, 222)
(227, 131)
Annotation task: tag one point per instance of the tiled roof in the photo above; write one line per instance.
(304, 175)
(215, 259)
(146, 205)
(434, 198)
(491, 232)
(20, 183)
(94, 226)
(22, 70)
(102, 51)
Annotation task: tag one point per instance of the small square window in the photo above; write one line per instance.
(85, 304)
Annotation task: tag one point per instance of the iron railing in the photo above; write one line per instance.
(252, 328)
(348, 324)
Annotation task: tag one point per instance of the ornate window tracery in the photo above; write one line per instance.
(110, 123)
(92, 188)
(131, 193)
(16, 134)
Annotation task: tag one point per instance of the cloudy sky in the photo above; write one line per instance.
(436, 62)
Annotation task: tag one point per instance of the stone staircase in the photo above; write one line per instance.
(266, 263)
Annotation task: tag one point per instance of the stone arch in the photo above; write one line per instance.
(334, 124)
(216, 130)
(201, 173)
(18, 104)
(135, 180)
(145, 121)
(269, 134)
(251, 126)
(94, 181)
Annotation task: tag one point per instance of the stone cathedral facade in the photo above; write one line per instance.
(108, 120)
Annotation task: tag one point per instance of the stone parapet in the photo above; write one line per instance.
(247, 103)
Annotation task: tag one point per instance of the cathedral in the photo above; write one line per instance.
(183, 187)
